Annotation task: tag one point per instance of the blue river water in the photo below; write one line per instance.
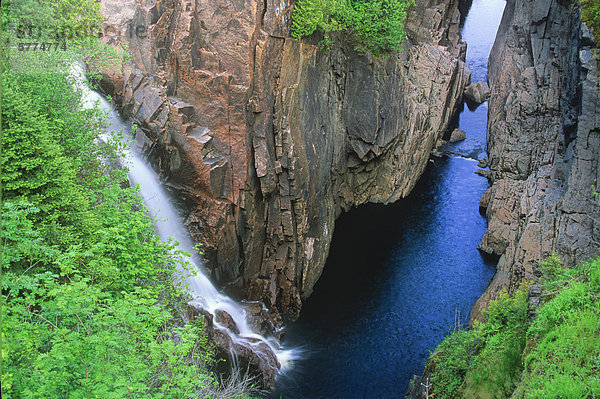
(400, 277)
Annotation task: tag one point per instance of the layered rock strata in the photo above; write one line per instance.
(543, 142)
(266, 140)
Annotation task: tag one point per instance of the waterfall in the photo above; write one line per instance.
(169, 224)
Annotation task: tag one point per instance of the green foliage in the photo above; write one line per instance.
(484, 362)
(563, 351)
(310, 16)
(556, 356)
(72, 26)
(449, 363)
(77, 19)
(554, 274)
(95, 321)
(590, 14)
(44, 160)
(90, 294)
(92, 317)
(374, 26)
(46, 20)
(497, 368)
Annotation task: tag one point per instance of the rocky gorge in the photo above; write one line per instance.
(300, 198)
(543, 143)
(265, 140)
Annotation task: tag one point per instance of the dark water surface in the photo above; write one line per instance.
(400, 277)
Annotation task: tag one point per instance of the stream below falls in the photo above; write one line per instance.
(400, 277)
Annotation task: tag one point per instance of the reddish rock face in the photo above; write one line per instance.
(543, 143)
(265, 140)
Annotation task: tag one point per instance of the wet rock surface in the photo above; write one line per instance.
(543, 143)
(225, 319)
(250, 355)
(265, 140)
(265, 322)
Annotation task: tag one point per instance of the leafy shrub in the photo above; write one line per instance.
(554, 274)
(87, 286)
(374, 26)
(95, 321)
(486, 361)
(497, 368)
(90, 294)
(42, 158)
(556, 356)
(449, 363)
(563, 351)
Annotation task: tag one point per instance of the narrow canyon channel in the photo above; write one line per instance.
(399, 277)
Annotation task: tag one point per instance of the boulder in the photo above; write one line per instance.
(262, 320)
(225, 319)
(457, 135)
(477, 92)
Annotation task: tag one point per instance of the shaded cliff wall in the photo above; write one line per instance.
(265, 140)
(543, 142)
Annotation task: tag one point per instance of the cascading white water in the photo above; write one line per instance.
(169, 224)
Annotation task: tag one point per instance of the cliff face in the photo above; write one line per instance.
(265, 140)
(543, 142)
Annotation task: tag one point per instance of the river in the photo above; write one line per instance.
(400, 277)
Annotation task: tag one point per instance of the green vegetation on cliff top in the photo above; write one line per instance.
(375, 26)
(557, 355)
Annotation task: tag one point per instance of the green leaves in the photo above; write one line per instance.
(563, 351)
(308, 17)
(76, 340)
(485, 361)
(89, 300)
(449, 363)
(374, 26)
(96, 321)
(48, 145)
(555, 356)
